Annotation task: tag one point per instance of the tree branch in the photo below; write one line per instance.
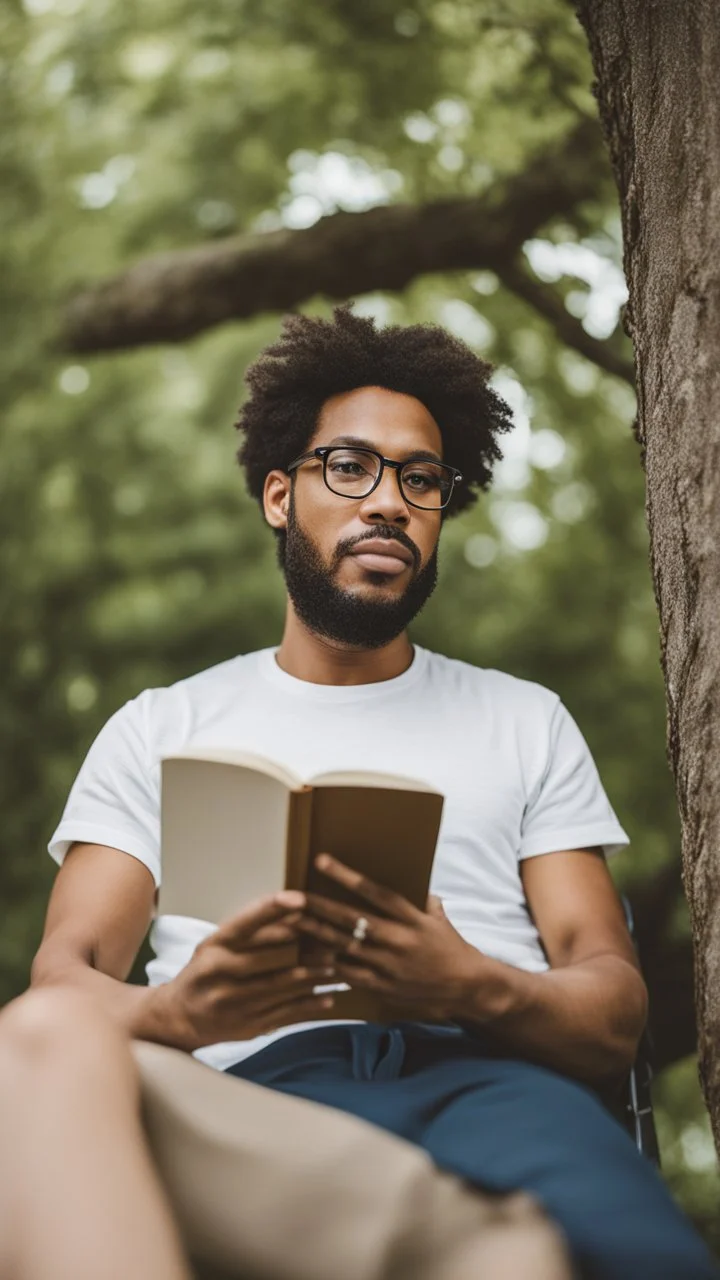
(549, 303)
(174, 296)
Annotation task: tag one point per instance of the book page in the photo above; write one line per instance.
(224, 837)
(385, 781)
(246, 759)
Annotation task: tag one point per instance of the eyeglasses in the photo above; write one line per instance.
(355, 473)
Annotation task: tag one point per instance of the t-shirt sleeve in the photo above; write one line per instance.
(568, 807)
(115, 799)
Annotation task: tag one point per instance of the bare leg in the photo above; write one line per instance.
(79, 1197)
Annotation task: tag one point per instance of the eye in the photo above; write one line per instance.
(345, 467)
(421, 480)
(351, 465)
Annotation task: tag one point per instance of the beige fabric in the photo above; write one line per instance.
(269, 1187)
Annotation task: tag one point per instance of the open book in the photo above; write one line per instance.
(238, 826)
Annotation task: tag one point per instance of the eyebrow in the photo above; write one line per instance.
(414, 455)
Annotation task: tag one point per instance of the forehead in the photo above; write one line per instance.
(386, 420)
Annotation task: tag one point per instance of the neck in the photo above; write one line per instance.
(311, 657)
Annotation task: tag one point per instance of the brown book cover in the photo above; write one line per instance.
(236, 827)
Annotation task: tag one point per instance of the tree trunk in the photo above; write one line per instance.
(658, 85)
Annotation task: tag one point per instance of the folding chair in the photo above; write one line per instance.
(634, 1108)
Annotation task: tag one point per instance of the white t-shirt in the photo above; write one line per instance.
(516, 773)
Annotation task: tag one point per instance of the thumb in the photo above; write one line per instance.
(237, 932)
(435, 907)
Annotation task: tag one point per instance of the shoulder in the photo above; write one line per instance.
(511, 694)
(216, 680)
(168, 715)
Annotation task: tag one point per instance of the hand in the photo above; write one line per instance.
(410, 957)
(226, 991)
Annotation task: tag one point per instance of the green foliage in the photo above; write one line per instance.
(129, 553)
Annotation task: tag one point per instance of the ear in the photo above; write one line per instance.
(276, 498)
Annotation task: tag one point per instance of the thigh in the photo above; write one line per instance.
(522, 1127)
(351, 1068)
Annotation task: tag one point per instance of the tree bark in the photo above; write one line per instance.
(177, 295)
(658, 87)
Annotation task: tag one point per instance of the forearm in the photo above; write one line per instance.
(139, 1011)
(584, 1019)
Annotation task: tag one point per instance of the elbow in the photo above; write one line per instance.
(56, 965)
(41, 972)
(44, 972)
(627, 1019)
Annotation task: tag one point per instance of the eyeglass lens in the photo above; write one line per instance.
(353, 472)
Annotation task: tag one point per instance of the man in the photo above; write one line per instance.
(523, 993)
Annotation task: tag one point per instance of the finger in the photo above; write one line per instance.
(345, 945)
(380, 932)
(338, 915)
(271, 934)
(355, 957)
(289, 981)
(279, 958)
(318, 953)
(281, 1015)
(383, 962)
(322, 998)
(435, 907)
(390, 903)
(244, 974)
(242, 928)
(253, 1003)
(327, 934)
(232, 1008)
(360, 976)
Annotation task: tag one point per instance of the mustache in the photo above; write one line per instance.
(383, 532)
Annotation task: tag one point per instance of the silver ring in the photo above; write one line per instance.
(361, 928)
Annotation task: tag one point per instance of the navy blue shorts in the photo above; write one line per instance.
(503, 1125)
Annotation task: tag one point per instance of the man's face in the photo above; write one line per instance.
(358, 570)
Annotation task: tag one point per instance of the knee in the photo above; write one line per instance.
(45, 1026)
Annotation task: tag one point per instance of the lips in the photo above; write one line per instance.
(385, 556)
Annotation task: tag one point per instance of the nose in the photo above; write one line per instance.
(386, 504)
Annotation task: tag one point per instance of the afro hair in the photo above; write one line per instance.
(315, 359)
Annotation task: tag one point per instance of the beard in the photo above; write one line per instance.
(346, 617)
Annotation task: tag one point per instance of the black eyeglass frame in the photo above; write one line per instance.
(323, 451)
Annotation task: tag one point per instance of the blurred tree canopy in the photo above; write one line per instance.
(438, 159)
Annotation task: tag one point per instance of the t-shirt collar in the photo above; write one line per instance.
(339, 693)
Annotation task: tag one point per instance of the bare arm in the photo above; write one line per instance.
(585, 1015)
(99, 912)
